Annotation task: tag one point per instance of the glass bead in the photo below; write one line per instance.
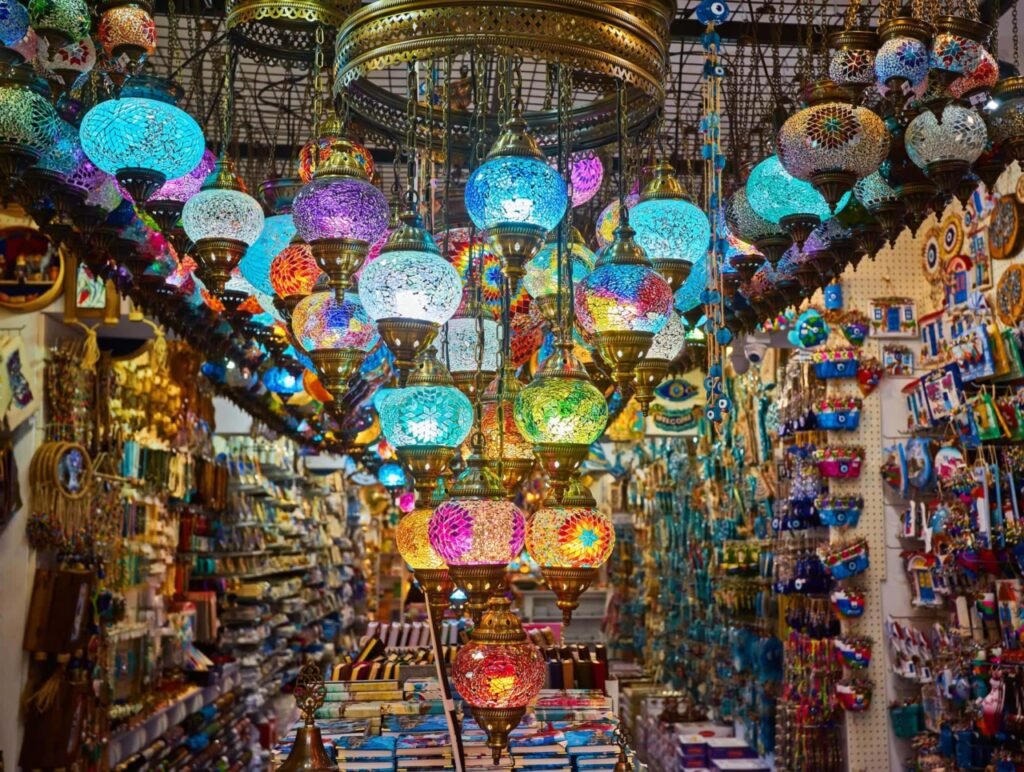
(774, 193)
(960, 136)
(468, 532)
(570, 537)
(623, 298)
(276, 236)
(218, 213)
(670, 229)
(294, 271)
(541, 278)
(515, 190)
(413, 541)
(411, 284)
(321, 322)
(340, 208)
(506, 675)
(418, 416)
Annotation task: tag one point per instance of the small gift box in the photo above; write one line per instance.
(854, 694)
(838, 413)
(839, 511)
(836, 363)
(839, 461)
(854, 651)
(844, 561)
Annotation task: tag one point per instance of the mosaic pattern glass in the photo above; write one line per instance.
(507, 675)
(222, 214)
(417, 416)
(744, 221)
(238, 283)
(65, 154)
(411, 535)
(507, 444)
(137, 132)
(982, 76)
(281, 381)
(373, 254)
(69, 17)
(184, 187)
(852, 67)
(669, 342)
(28, 45)
(822, 236)
(954, 53)
(26, 119)
(961, 136)
(467, 532)
(466, 253)
(832, 136)
(340, 208)
(688, 296)
(13, 22)
(608, 220)
(392, 475)
(570, 537)
(78, 56)
(541, 278)
(321, 322)
(411, 284)
(670, 229)
(294, 271)
(623, 298)
(902, 58)
(1007, 120)
(463, 337)
(127, 25)
(556, 409)
(774, 193)
(586, 171)
(873, 191)
(277, 234)
(316, 152)
(515, 190)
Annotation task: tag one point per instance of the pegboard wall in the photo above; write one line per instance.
(895, 272)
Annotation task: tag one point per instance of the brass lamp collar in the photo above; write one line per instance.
(430, 371)
(499, 625)
(825, 90)
(223, 177)
(578, 495)
(477, 482)
(340, 161)
(563, 364)
(575, 237)
(854, 40)
(623, 250)
(663, 184)
(905, 26)
(516, 140)
(410, 236)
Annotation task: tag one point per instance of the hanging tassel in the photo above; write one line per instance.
(46, 696)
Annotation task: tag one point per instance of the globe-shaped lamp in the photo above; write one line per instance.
(672, 231)
(277, 235)
(59, 21)
(780, 198)
(541, 279)
(413, 541)
(13, 22)
(166, 204)
(470, 326)
(143, 138)
(503, 444)
(294, 272)
(748, 225)
(48, 183)
(852, 63)
(516, 197)
(666, 346)
(879, 198)
(329, 142)
(127, 33)
(410, 290)
(1006, 122)
(28, 122)
(586, 171)
(901, 64)
(945, 148)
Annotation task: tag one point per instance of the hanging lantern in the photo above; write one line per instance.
(413, 541)
(59, 21)
(337, 336)
(688, 297)
(13, 22)
(570, 542)
(782, 199)
(586, 172)
(852, 64)
(50, 178)
(329, 141)
(498, 673)
(410, 291)
(516, 197)
(673, 232)
(340, 214)
(541, 279)
(748, 225)
(222, 220)
(426, 421)
(901, 64)
(561, 413)
(471, 326)
(28, 122)
(504, 446)
(879, 198)
(167, 202)
(1006, 122)
(478, 533)
(623, 302)
(143, 138)
(127, 31)
(956, 49)
(665, 347)
(278, 234)
(946, 148)
(294, 272)
(832, 143)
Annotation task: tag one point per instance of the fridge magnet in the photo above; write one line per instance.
(957, 280)
(897, 359)
(944, 392)
(894, 317)
(972, 352)
(978, 250)
(931, 255)
(854, 326)
(869, 374)
(932, 329)
(14, 368)
(951, 236)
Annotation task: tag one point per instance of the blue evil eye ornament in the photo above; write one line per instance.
(712, 11)
(810, 330)
(834, 297)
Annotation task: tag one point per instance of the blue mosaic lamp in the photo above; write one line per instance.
(672, 231)
(13, 22)
(516, 197)
(143, 138)
(278, 232)
(688, 296)
(391, 476)
(282, 380)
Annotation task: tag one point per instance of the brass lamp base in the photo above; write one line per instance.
(746, 265)
(437, 587)
(479, 582)
(165, 213)
(216, 258)
(675, 272)
(916, 196)
(140, 183)
(649, 373)
(560, 461)
(308, 754)
(515, 244)
(947, 174)
(892, 217)
(833, 185)
(15, 159)
(425, 463)
(568, 584)
(512, 472)
(867, 240)
(336, 367)
(548, 306)
(406, 339)
(799, 226)
(773, 247)
(623, 351)
(339, 259)
(286, 305)
(498, 723)
(470, 382)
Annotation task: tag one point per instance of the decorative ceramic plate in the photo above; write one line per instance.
(1005, 234)
(951, 234)
(1010, 295)
(931, 254)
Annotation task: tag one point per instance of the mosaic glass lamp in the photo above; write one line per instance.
(945, 148)
(748, 225)
(780, 198)
(672, 231)
(623, 303)
(337, 335)
(504, 447)
(608, 220)
(498, 674)
(277, 235)
(561, 413)
(167, 202)
(902, 61)
(570, 542)
(957, 48)
(49, 180)
(586, 171)
(470, 326)
(59, 21)
(413, 540)
(666, 346)
(339, 213)
(127, 32)
(832, 143)
(222, 220)
(410, 290)
(541, 279)
(688, 297)
(13, 22)
(852, 62)
(516, 197)
(294, 272)
(330, 140)
(1006, 122)
(28, 122)
(879, 198)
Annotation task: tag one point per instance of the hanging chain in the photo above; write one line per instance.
(446, 119)
(318, 76)
(173, 41)
(427, 161)
(410, 136)
(517, 84)
(227, 103)
(852, 15)
(504, 75)
(1016, 37)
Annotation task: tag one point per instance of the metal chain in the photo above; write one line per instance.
(1016, 37)
(227, 103)
(517, 84)
(446, 118)
(852, 15)
(503, 68)
(565, 99)
(427, 160)
(410, 135)
(623, 160)
(318, 69)
(173, 41)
